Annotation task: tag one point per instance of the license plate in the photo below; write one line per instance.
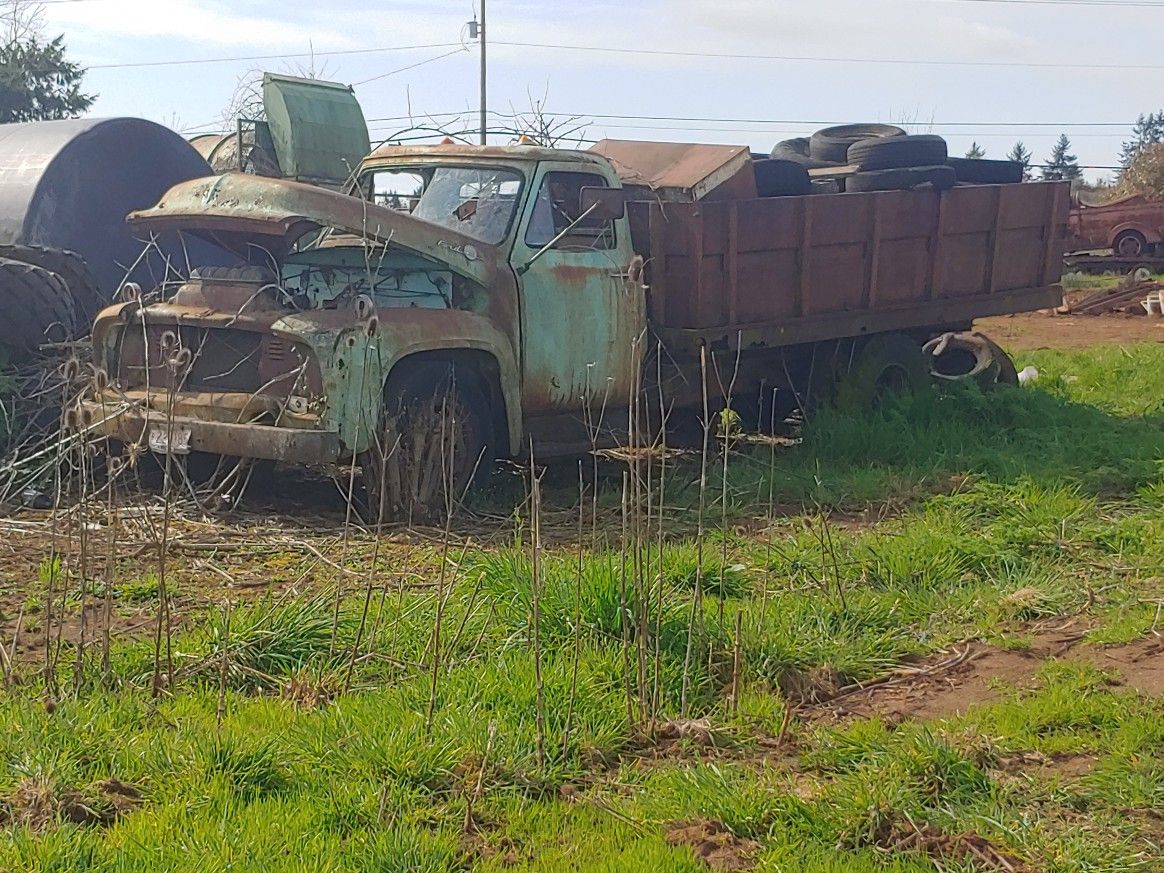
(170, 440)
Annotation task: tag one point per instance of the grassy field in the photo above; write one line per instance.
(927, 639)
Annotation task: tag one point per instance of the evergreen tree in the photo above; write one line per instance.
(1148, 130)
(976, 152)
(1020, 154)
(37, 81)
(1062, 164)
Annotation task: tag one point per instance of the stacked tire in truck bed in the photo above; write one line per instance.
(873, 157)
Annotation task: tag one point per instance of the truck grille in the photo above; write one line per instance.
(222, 360)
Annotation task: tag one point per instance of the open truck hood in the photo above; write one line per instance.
(242, 212)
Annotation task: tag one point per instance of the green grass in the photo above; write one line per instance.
(996, 513)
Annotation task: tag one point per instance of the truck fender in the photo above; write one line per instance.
(1152, 235)
(486, 342)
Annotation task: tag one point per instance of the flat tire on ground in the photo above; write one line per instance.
(902, 179)
(890, 153)
(886, 365)
(36, 305)
(1006, 373)
(832, 143)
(432, 443)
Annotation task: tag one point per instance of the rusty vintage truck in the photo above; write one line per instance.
(468, 303)
(1131, 227)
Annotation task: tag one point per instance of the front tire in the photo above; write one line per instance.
(432, 442)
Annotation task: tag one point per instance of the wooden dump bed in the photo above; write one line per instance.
(788, 270)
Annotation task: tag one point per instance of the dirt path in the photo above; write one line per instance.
(1022, 333)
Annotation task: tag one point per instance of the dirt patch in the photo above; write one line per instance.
(1139, 664)
(1023, 333)
(36, 804)
(950, 683)
(978, 673)
(1065, 766)
(907, 837)
(714, 844)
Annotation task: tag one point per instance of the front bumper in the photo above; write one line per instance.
(180, 434)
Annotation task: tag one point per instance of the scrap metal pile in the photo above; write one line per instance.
(1133, 296)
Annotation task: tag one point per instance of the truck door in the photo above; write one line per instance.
(581, 315)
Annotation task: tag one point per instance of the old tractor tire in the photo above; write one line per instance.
(984, 172)
(434, 417)
(35, 307)
(903, 179)
(832, 143)
(798, 151)
(777, 178)
(71, 267)
(887, 365)
(1130, 244)
(890, 153)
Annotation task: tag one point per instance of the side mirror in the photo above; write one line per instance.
(603, 204)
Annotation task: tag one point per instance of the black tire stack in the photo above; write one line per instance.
(886, 158)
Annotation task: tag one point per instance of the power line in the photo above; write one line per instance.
(821, 59)
(240, 58)
(814, 123)
(458, 50)
(1113, 4)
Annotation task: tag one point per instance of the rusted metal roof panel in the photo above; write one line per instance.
(694, 169)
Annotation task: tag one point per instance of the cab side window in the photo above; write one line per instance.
(558, 205)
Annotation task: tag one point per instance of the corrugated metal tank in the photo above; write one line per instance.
(70, 184)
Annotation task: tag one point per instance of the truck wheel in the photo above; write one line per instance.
(832, 143)
(433, 440)
(888, 365)
(1130, 244)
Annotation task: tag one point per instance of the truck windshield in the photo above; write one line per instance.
(477, 201)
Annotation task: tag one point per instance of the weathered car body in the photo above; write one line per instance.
(1131, 226)
(512, 268)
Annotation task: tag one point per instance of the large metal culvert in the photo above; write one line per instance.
(68, 185)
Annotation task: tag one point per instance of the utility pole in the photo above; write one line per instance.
(477, 32)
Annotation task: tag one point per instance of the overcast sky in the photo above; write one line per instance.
(1031, 68)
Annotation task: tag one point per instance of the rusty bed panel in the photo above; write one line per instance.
(784, 261)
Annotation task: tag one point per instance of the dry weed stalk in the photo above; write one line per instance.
(700, 533)
(577, 617)
(535, 601)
